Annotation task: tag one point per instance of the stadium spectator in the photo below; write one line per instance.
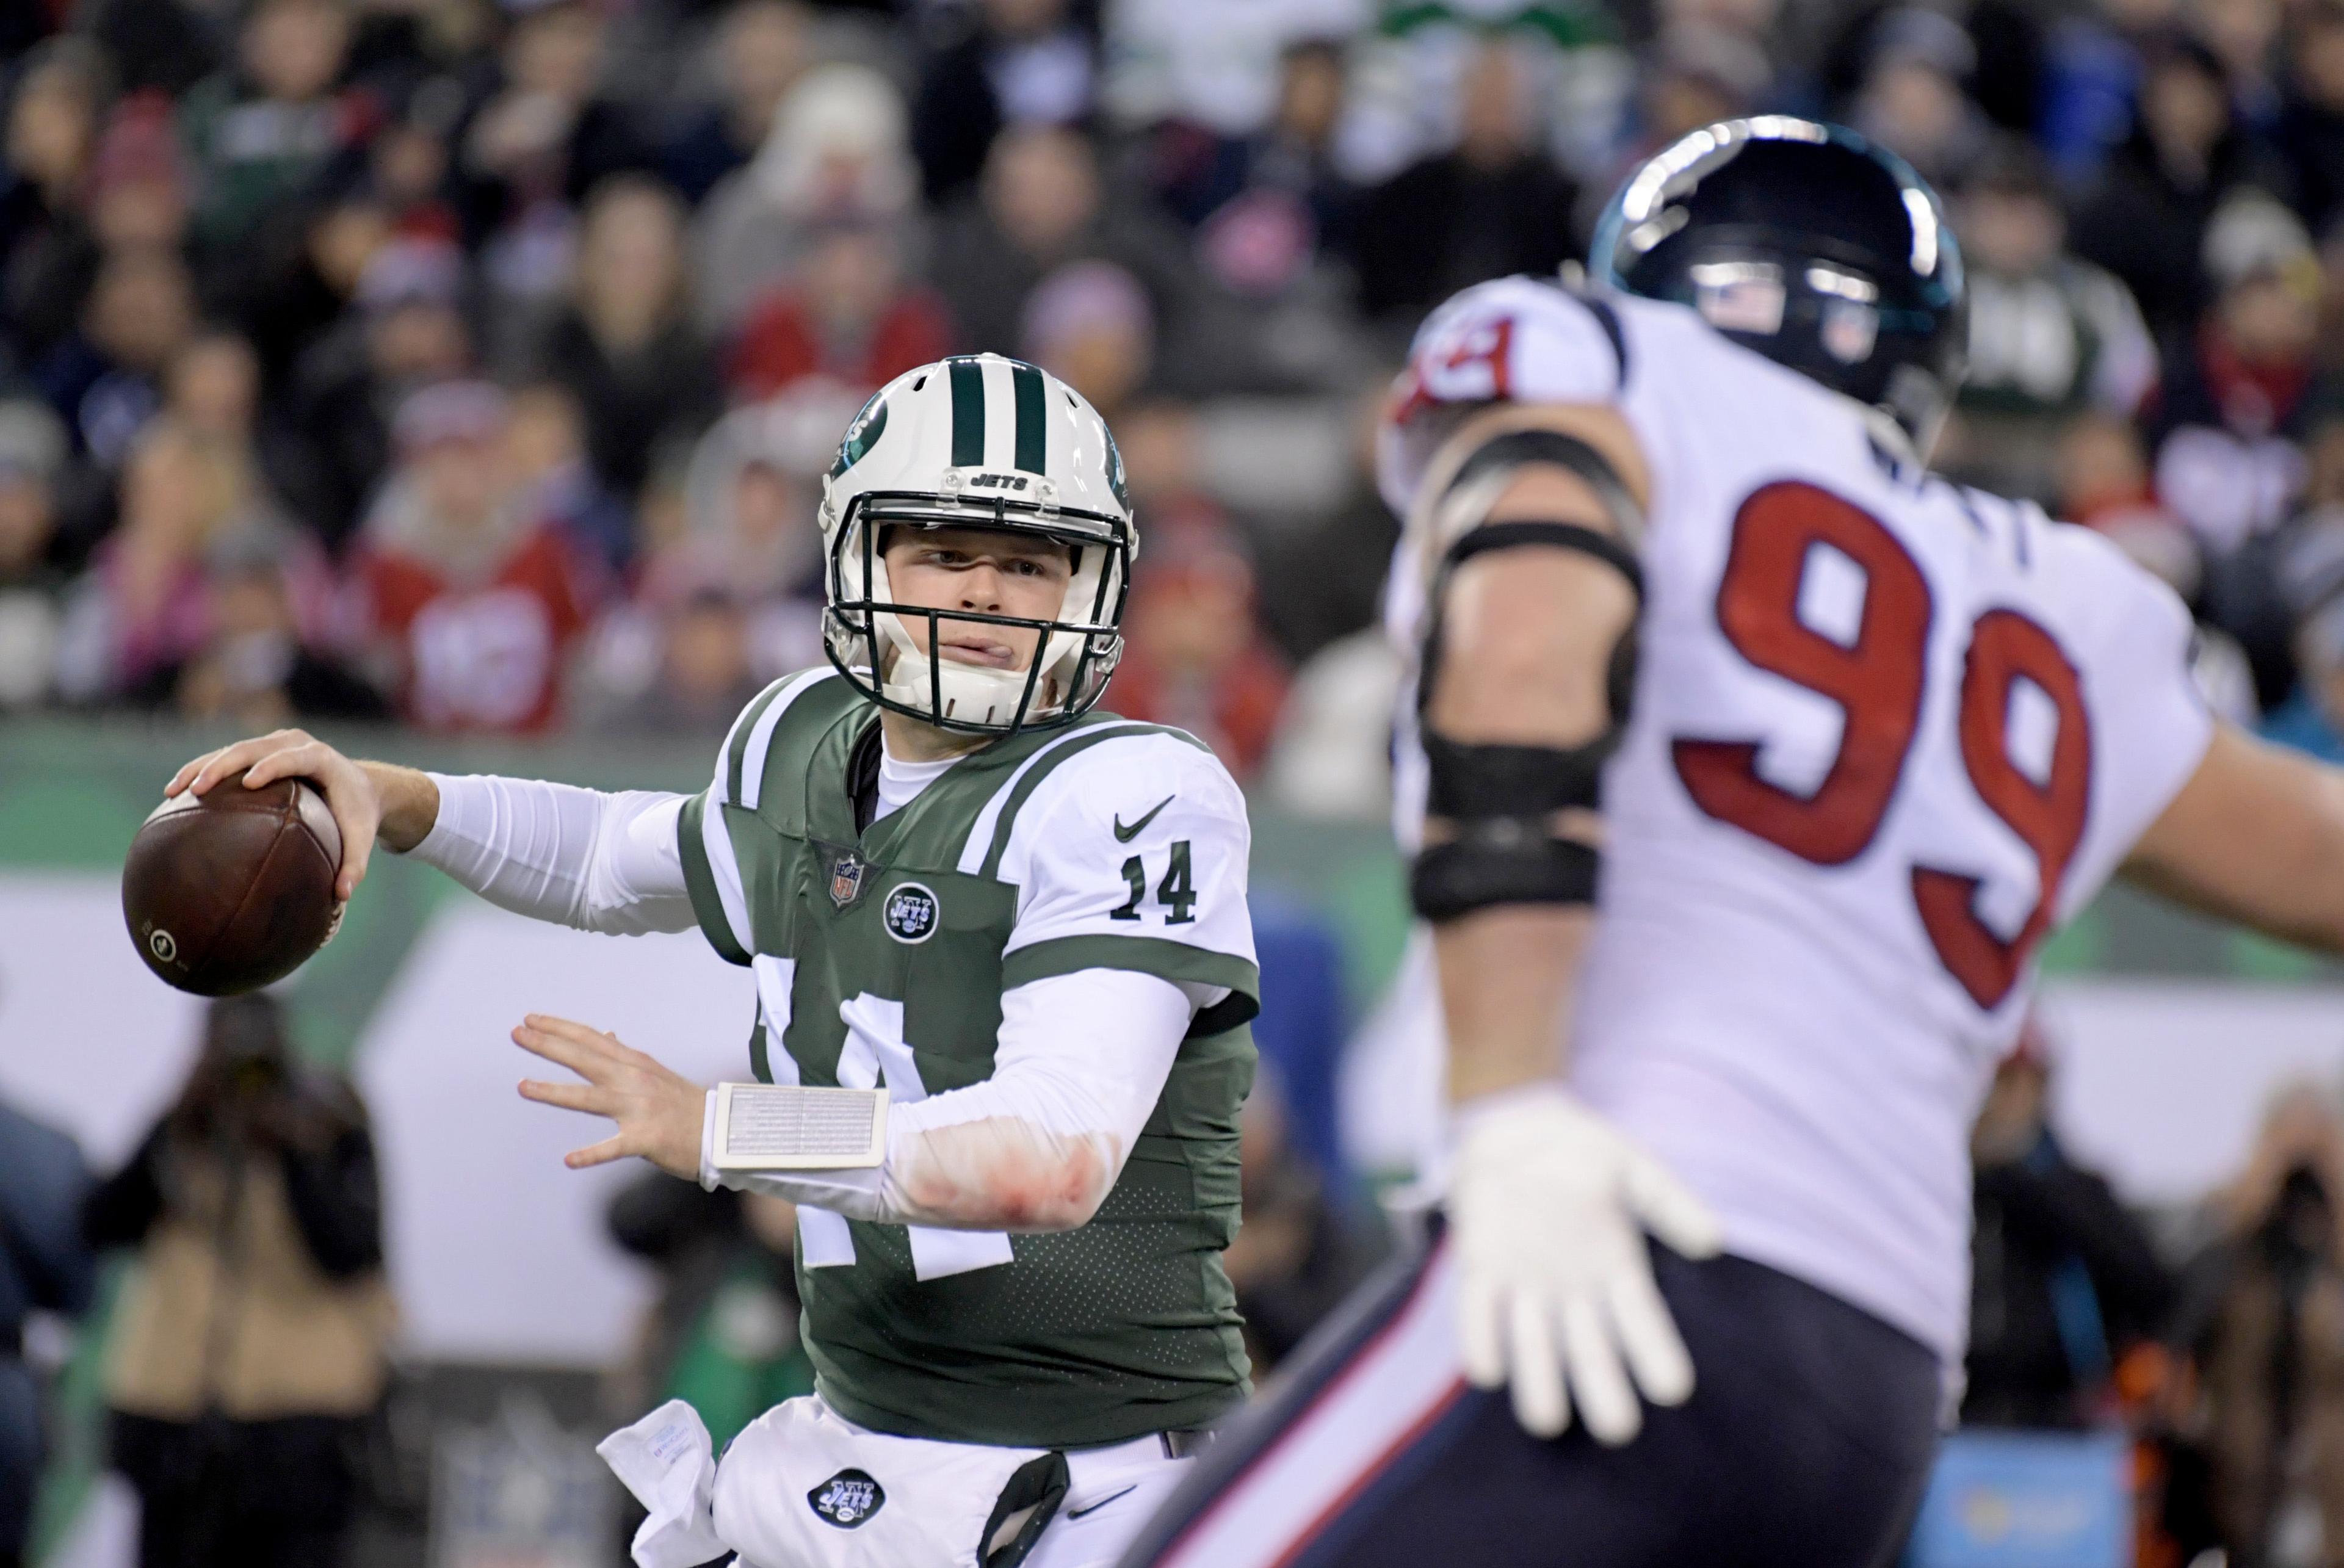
(138, 189)
(304, 276)
(1089, 324)
(2267, 1332)
(106, 380)
(252, 1339)
(1698, 73)
(543, 136)
(1267, 197)
(2101, 476)
(253, 665)
(44, 1267)
(723, 1334)
(260, 133)
(471, 601)
(157, 43)
(1914, 99)
(213, 389)
(1494, 204)
(2050, 336)
(2310, 581)
(545, 443)
(1221, 67)
(2310, 130)
(626, 346)
(407, 332)
(686, 673)
(143, 605)
(45, 235)
(2147, 219)
(759, 51)
(1292, 204)
(1194, 655)
(1012, 63)
(2063, 1281)
(32, 453)
(746, 535)
(2231, 416)
(2242, 34)
(838, 150)
(848, 315)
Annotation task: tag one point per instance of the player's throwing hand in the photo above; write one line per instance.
(658, 1109)
(1548, 1206)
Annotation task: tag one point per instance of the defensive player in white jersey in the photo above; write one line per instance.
(1858, 739)
(963, 891)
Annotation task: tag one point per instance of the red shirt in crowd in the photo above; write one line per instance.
(782, 343)
(486, 656)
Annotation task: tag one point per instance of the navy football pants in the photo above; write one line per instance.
(1806, 1444)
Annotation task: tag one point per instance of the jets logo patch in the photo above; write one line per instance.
(847, 1499)
(911, 913)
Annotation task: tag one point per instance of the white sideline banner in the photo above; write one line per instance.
(497, 1251)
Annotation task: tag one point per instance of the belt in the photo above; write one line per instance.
(1187, 1444)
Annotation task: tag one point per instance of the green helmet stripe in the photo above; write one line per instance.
(969, 413)
(1032, 424)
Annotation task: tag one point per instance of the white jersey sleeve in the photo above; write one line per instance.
(1517, 339)
(2150, 722)
(1132, 855)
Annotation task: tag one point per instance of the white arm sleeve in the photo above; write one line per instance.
(553, 852)
(1082, 1061)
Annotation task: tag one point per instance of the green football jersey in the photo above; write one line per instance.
(880, 956)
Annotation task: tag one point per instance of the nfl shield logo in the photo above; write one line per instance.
(846, 878)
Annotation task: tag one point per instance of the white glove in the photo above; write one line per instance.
(1548, 1206)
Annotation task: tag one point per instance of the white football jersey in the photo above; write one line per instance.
(1886, 734)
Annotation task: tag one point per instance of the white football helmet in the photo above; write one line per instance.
(977, 441)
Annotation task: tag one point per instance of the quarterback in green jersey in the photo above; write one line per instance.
(1013, 923)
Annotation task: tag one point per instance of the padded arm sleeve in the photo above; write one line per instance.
(1082, 1061)
(577, 857)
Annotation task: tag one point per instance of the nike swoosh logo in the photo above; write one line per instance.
(1126, 1492)
(1125, 834)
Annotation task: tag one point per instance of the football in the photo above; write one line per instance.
(232, 890)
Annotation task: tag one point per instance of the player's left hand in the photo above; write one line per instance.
(659, 1110)
(1548, 1205)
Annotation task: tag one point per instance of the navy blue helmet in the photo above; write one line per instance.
(1809, 243)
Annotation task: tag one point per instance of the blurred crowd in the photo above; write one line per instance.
(2211, 1336)
(475, 362)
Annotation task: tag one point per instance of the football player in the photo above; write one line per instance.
(1859, 739)
(958, 882)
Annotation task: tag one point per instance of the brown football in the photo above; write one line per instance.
(233, 890)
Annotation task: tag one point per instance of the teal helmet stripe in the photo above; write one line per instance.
(1033, 423)
(968, 414)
